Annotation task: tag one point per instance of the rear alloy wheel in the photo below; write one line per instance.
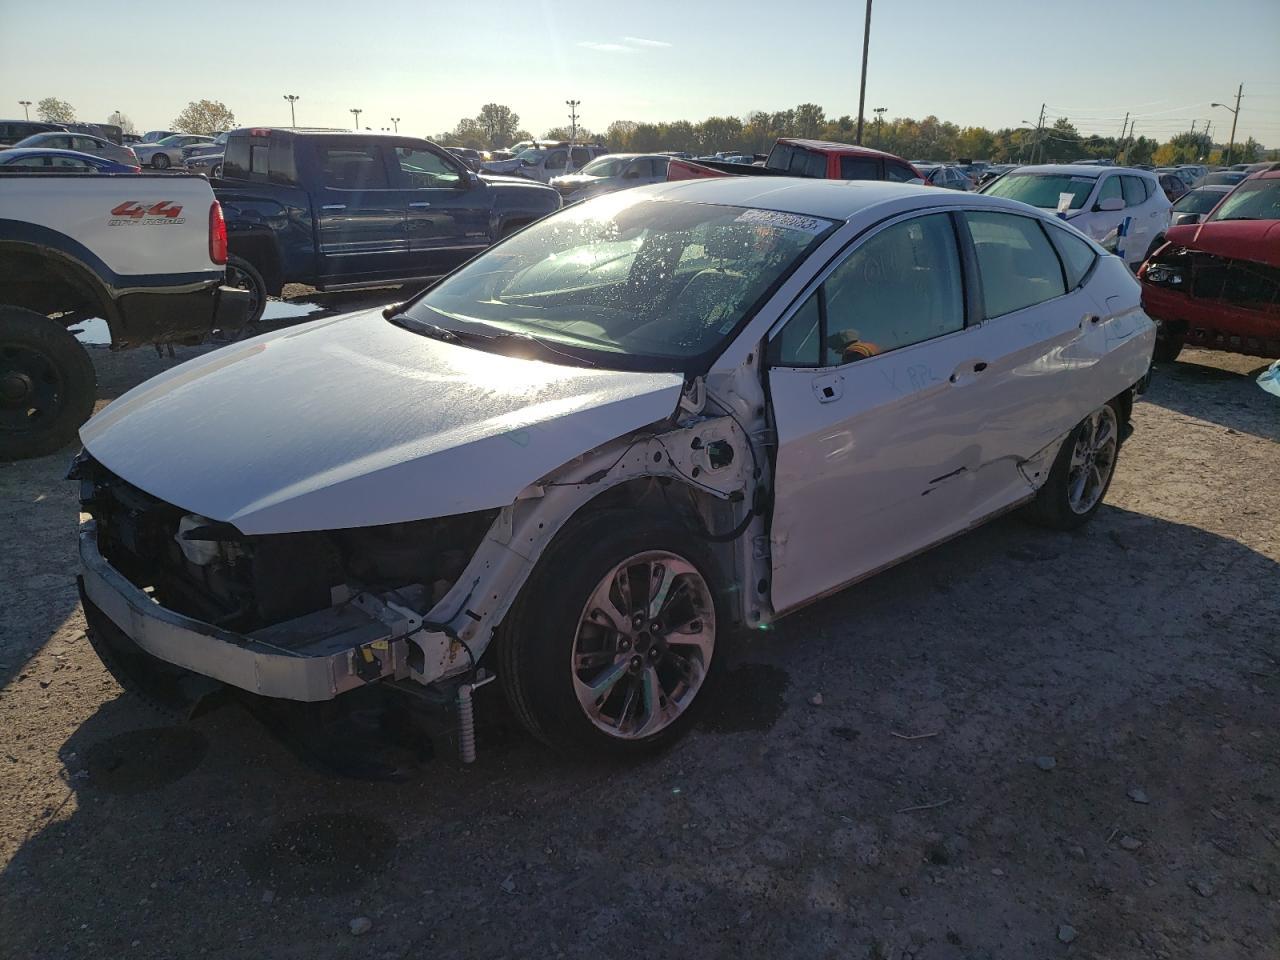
(243, 275)
(612, 646)
(160, 161)
(1081, 472)
(47, 385)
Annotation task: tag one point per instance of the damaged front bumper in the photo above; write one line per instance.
(360, 639)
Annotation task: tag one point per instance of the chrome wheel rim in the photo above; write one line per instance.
(1092, 460)
(643, 646)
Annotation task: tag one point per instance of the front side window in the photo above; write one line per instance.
(902, 286)
(1255, 200)
(859, 168)
(351, 167)
(580, 156)
(421, 169)
(659, 280)
(1018, 266)
(897, 173)
(1111, 189)
(557, 159)
(605, 167)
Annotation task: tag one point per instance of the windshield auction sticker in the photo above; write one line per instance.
(784, 221)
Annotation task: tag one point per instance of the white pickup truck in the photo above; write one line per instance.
(145, 253)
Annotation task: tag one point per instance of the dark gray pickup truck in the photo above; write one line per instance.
(341, 210)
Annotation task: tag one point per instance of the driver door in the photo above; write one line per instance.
(875, 383)
(446, 209)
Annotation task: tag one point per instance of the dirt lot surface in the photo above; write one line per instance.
(1021, 745)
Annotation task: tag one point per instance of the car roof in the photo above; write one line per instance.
(1083, 170)
(1268, 173)
(831, 199)
(49, 151)
(830, 146)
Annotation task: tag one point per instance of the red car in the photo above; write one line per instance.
(1216, 284)
(821, 159)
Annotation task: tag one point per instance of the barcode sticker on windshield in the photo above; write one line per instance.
(784, 221)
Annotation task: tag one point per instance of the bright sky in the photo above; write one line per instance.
(431, 63)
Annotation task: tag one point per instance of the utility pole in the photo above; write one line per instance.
(356, 111)
(292, 98)
(395, 122)
(862, 87)
(1235, 115)
(1120, 143)
(1035, 147)
(25, 110)
(879, 112)
(573, 119)
(1208, 140)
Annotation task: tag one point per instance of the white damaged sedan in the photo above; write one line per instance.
(583, 459)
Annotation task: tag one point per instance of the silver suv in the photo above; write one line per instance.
(542, 161)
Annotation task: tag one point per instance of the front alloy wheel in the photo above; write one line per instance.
(644, 643)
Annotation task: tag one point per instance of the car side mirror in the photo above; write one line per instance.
(467, 180)
(1109, 205)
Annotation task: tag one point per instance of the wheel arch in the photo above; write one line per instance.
(263, 253)
(47, 279)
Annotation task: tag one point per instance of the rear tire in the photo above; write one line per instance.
(243, 275)
(557, 646)
(47, 385)
(160, 161)
(1081, 473)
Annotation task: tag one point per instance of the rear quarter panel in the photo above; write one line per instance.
(280, 217)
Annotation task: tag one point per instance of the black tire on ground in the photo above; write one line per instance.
(1168, 345)
(216, 172)
(1052, 505)
(535, 644)
(167, 689)
(47, 384)
(160, 161)
(245, 276)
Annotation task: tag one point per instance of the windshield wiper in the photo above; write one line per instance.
(509, 335)
(424, 327)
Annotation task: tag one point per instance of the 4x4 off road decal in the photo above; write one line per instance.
(133, 212)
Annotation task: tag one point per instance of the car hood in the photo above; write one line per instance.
(1257, 241)
(352, 421)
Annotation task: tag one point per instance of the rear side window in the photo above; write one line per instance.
(859, 168)
(351, 166)
(1077, 256)
(581, 156)
(1018, 265)
(1135, 191)
(815, 165)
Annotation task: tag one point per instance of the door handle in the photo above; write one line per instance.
(334, 206)
(420, 203)
(966, 375)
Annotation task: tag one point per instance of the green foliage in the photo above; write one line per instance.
(499, 122)
(205, 117)
(53, 110)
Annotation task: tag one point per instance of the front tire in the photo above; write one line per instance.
(160, 161)
(1081, 473)
(1168, 344)
(47, 385)
(613, 645)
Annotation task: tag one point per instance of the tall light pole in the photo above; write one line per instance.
(862, 87)
(25, 105)
(573, 119)
(1235, 115)
(356, 111)
(395, 121)
(292, 98)
(879, 112)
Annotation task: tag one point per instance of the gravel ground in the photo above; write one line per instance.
(1023, 744)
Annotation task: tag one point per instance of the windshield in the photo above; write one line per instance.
(1255, 200)
(605, 167)
(532, 154)
(1042, 189)
(618, 275)
(1198, 201)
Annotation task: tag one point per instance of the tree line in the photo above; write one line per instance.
(497, 126)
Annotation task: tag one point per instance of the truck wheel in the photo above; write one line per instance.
(1168, 344)
(216, 172)
(243, 275)
(611, 647)
(160, 161)
(1081, 472)
(47, 385)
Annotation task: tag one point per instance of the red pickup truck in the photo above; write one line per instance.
(1216, 284)
(820, 159)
